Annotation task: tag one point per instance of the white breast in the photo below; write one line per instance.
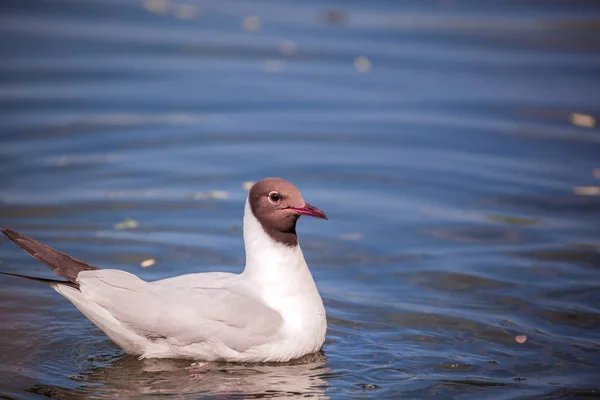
(284, 282)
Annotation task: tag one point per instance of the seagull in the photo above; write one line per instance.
(270, 312)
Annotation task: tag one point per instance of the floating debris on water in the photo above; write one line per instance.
(582, 120)
(164, 7)
(288, 47)
(362, 64)
(521, 339)
(128, 223)
(246, 185)
(587, 190)
(148, 263)
(252, 23)
(219, 194)
(334, 16)
(186, 11)
(160, 7)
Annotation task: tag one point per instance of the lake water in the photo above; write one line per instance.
(454, 145)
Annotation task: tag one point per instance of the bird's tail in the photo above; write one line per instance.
(45, 280)
(62, 264)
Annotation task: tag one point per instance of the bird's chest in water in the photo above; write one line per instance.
(305, 320)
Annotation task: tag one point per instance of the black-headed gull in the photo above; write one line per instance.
(272, 311)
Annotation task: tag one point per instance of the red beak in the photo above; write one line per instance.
(309, 210)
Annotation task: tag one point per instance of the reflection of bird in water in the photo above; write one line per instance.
(128, 377)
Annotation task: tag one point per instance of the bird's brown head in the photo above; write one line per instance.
(277, 205)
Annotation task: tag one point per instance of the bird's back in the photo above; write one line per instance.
(200, 280)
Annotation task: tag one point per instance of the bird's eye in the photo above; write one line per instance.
(274, 197)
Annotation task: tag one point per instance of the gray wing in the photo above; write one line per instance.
(202, 280)
(182, 316)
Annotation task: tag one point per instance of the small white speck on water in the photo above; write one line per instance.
(251, 23)
(362, 64)
(288, 47)
(521, 339)
(582, 120)
(160, 7)
(186, 11)
(587, 190)
(148, 263)
(219, 194)
(128, 223)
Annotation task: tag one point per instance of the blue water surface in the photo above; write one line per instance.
(454, 145)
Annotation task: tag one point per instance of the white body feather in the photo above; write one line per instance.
(272, 311)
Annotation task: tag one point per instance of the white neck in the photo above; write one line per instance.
(268, 261)
(282, 280)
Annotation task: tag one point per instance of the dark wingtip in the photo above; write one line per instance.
(14, 236)
(44, 280)
(8, 232)
(62, 264)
